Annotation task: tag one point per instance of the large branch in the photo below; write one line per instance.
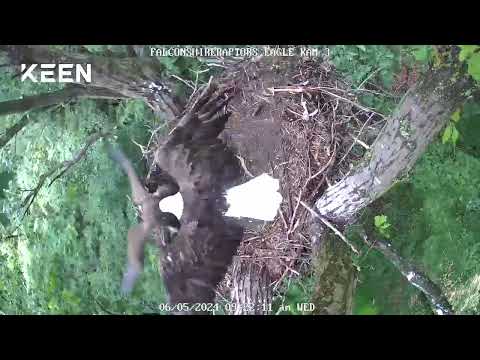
(418, 119)
(133, 77)
(69, 93)
(422, 113)
(15, 129)
(42, 101)
(415, 276)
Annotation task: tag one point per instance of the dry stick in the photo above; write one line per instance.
(283, 218)
(329, 224)
(302, 89)
(355, 139)
(183, 81)
(368, 78)
(421, 281)
(365, 146)
(66, 165)
(244, 165)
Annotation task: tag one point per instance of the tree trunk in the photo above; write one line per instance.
(251, 293)
(418, 119)
(136, 78)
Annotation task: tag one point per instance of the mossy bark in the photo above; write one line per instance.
(417, 121)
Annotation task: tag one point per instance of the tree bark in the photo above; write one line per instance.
(418, 119)
(137, 78)
(251, 294)
(415, 276)
(42, 101)
(69, 93)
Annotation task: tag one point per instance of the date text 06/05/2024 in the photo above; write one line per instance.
(215, 307)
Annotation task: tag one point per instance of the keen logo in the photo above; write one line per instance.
(66, 73)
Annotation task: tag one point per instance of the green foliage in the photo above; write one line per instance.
(435, 217)
(450, 134)
(469, 128)
(297, 291)
(382, 225)
(423, 54)
(358, 62)
(67, 256)
(374, 67)
(471, 55)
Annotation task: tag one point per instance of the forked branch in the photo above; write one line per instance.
(61, 169)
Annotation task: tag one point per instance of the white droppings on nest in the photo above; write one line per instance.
(256, 199)
(172, 204)
(410, 275)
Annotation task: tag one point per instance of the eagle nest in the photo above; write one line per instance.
(295, 119)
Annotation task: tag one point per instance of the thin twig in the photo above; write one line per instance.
(369, 77)
(66, 165)
(244, 166)
(330, 225)
(304, 89)
(183, 81)
(355, 139)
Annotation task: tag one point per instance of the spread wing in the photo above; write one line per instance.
(203, 167)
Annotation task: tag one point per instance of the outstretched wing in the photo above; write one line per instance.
(203, 167)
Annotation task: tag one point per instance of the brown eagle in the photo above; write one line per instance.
(197, 250)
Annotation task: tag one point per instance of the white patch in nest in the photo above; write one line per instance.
(172, 204)
(410, 275)
(256, 199)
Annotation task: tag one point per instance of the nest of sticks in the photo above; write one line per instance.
(321, 130)
(324, 132)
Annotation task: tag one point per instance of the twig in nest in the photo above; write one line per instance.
(183, 81)
(290, 228)
(283, 219)
(323, 168)
(142, 148)
(244, 166)
(305, 89)
(355, 139)
(330, 225)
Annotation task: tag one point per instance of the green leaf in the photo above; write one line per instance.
(380, 221)
(456, 116)
(474, 66)
(447, 134)
(422, 53)
(466, 51)
(455, 135)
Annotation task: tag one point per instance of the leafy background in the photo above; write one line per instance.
(431, 216)
(68, 254)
